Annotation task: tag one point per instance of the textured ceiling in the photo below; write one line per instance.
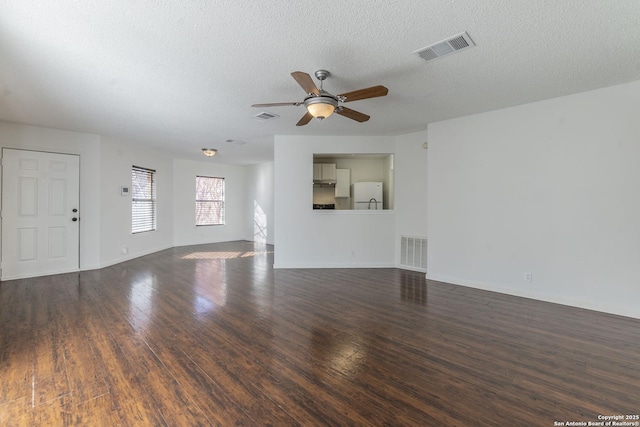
(182, 75)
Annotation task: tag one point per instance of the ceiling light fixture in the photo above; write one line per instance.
(209, 152)
(321, 107)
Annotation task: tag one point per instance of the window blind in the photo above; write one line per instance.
(143, 200)
(209, 200)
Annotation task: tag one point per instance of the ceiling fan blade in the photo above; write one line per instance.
(352, 114)
(306, 82)
(278, 104)
(370, 92)
(305, 119)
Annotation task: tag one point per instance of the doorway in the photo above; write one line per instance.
(40, 213)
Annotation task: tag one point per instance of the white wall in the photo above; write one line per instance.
(550, 188)
(305, 238)
(87, 146)
(117, 157)
(184, 184)
(105, 166)
(362, 169)
(410, 172)
(259, 202)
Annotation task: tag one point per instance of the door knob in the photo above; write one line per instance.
(74, 219)
(74, 210)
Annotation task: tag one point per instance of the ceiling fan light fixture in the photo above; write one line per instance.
(209, 152)
(321, 104)
(321, 107)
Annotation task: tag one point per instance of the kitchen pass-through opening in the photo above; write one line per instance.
(362, 181)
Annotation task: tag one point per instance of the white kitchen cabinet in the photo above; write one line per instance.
(343, 183)
(317, 172)
(328, 172)
(324, 173)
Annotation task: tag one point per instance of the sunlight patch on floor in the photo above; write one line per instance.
(212, 255)
(224, 255)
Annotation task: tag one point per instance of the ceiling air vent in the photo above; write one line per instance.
(446, 47)
(266, 116)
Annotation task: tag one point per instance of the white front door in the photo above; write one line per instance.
(40, 213)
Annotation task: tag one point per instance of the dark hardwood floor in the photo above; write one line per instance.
(212, 335)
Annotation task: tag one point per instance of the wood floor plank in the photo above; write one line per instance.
(212, 335)
(84, 374)
(98, 411)
(16, 368)
(224, 399)
(49, 378)
(16, 413)
(158, 388)
(84, 370)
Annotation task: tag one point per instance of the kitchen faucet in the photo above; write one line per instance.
(374, 201)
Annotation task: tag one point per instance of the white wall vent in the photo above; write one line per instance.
(413, 252)
(446, 47)
(266, 116)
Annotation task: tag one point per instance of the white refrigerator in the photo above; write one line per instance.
(367, 195)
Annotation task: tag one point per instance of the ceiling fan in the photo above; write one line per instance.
(321, 104)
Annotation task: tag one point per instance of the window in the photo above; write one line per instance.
(143, 200)
(209, 200)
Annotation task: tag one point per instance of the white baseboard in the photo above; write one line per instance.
(331, 265)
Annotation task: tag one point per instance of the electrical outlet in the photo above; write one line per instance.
(528, 277)
(353, 254)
